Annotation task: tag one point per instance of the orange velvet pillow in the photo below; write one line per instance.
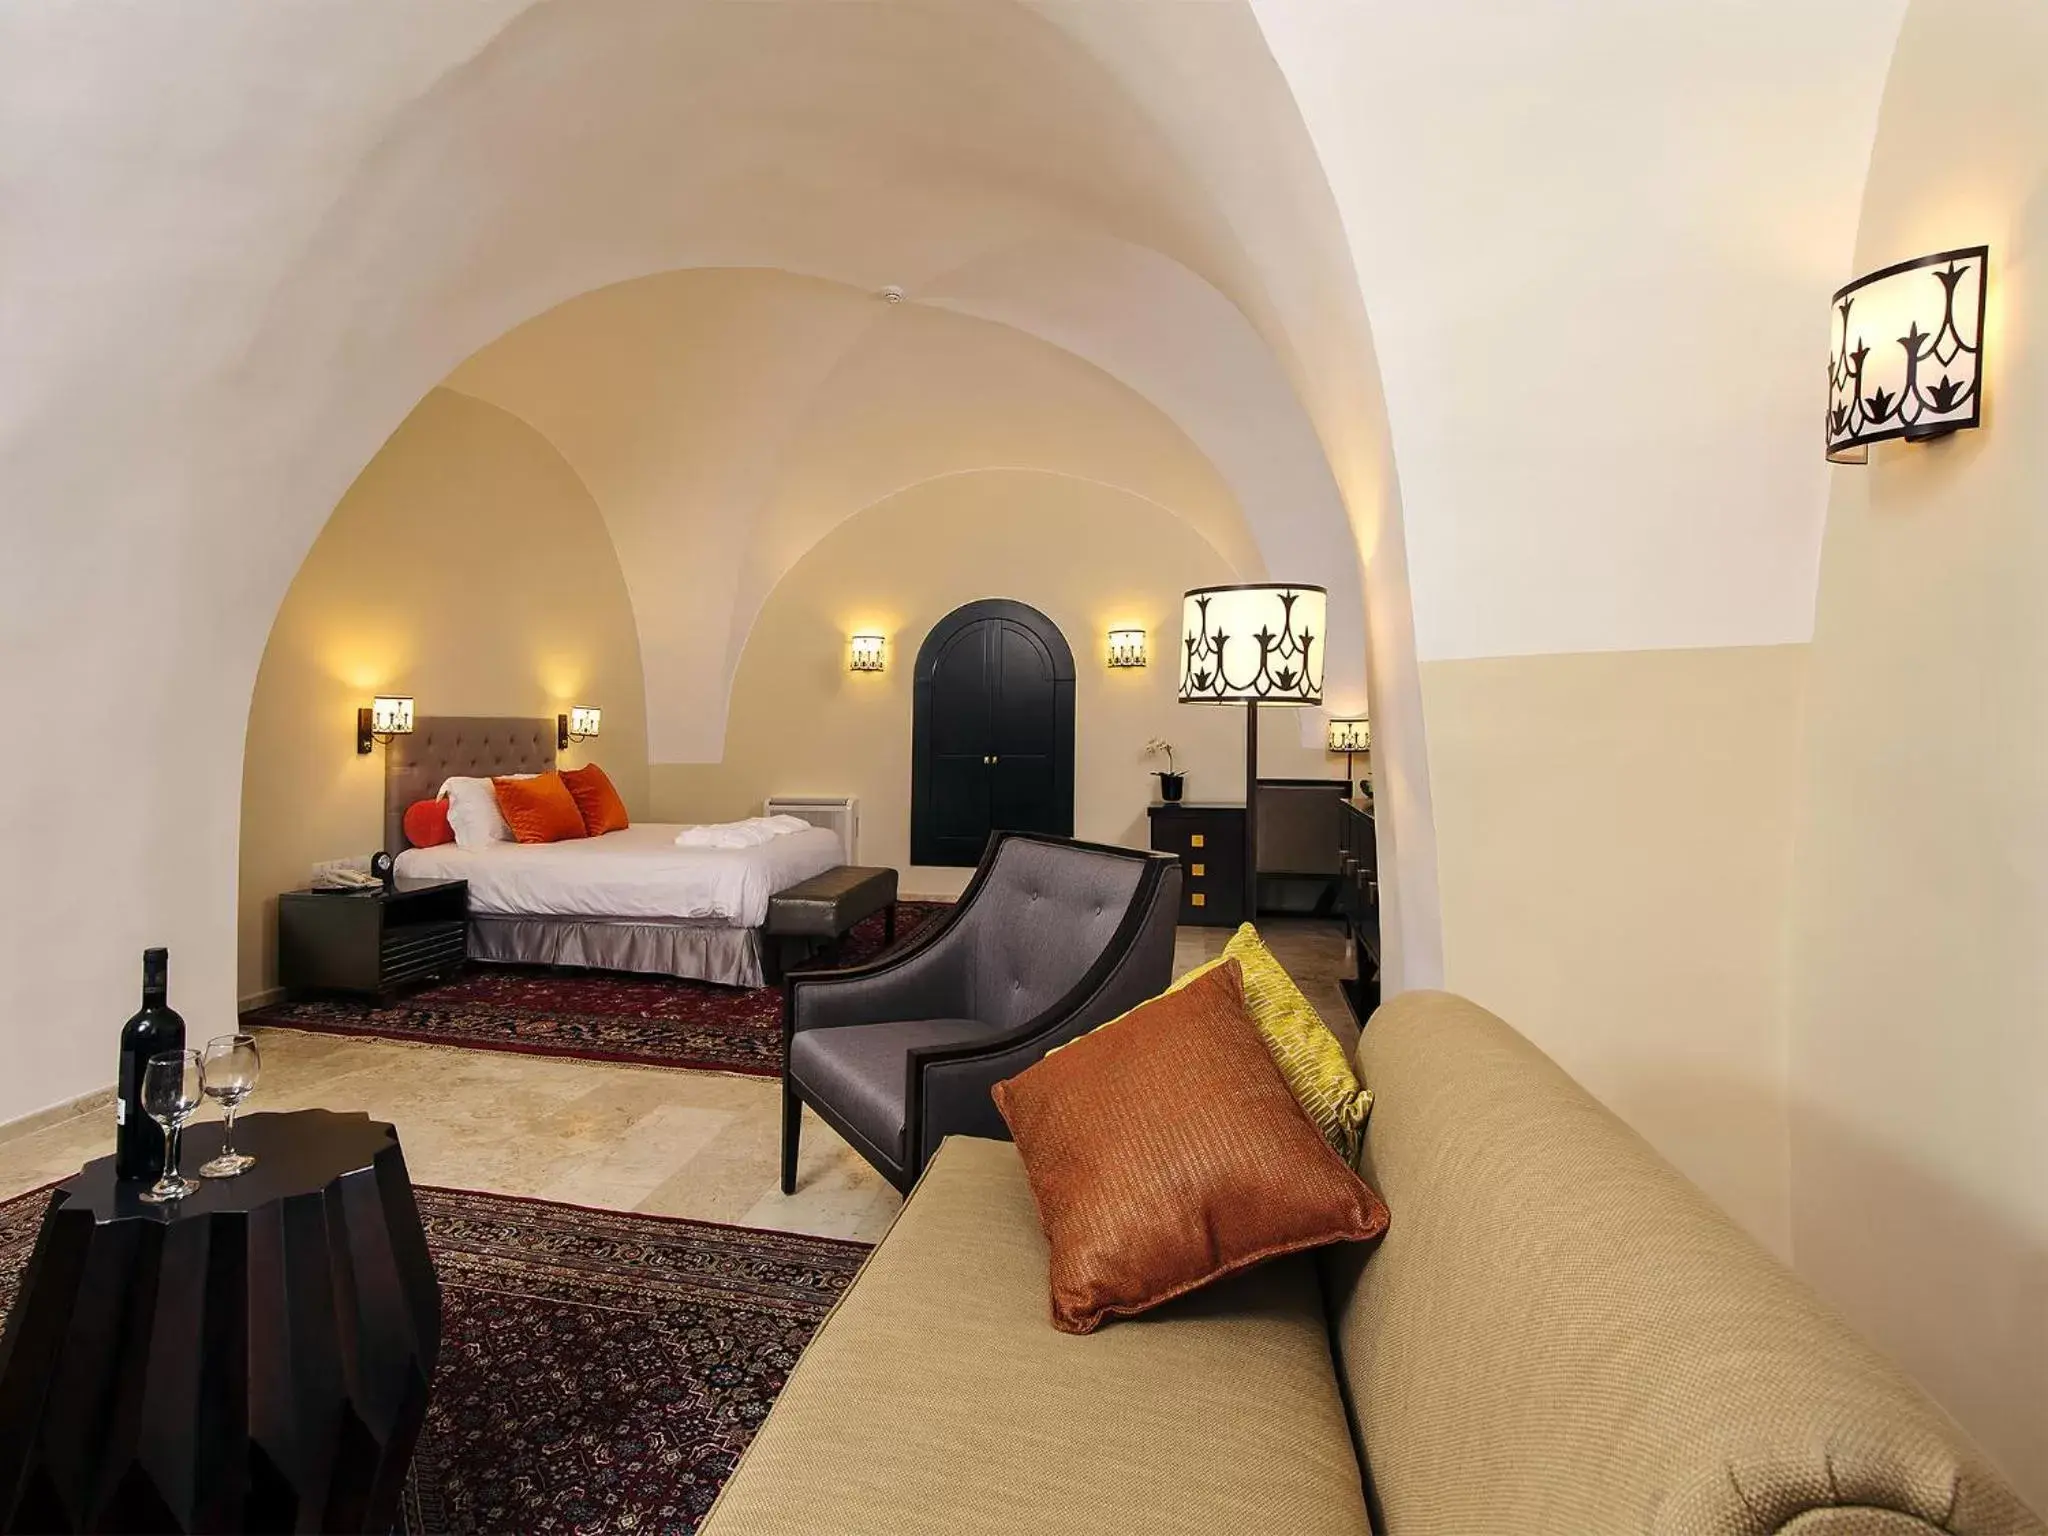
(540, 809)
(426, 824)
(1165, 1150)
(601, 808)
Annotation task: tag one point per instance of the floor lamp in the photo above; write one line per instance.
(1252, 644)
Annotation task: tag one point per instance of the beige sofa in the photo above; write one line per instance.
(1557, 1334)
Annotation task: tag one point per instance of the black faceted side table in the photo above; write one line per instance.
(255, 1357)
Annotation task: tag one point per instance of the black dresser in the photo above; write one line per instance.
(1210, 842)
(371, 943)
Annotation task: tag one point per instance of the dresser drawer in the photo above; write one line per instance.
(1209, 842)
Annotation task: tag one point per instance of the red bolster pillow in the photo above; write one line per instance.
(426, 823)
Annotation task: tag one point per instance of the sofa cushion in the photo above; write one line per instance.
(862, 1070)
(1559, 1333)
(938, 1401)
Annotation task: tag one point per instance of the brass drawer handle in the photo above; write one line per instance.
(1198, 900)
(1195, 840)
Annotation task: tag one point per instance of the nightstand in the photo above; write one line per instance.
(371, 943)
(1209, 840)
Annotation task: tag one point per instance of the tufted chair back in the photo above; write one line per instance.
(1044, 915)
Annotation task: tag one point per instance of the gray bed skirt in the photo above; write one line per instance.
(699, 951)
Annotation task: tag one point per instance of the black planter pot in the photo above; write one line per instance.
(1171, 786)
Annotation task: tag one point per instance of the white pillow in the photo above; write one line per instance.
(473, 814)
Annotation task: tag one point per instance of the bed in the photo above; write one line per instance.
(627, 901)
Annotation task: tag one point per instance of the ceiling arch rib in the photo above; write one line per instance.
(728, 420)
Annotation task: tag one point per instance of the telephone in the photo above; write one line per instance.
(345, 875)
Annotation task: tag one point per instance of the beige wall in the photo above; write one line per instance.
(1088, 556)
(1919, 1049)
(1614, 834)
(467, 567)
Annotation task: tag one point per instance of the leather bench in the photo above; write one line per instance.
(822, 910)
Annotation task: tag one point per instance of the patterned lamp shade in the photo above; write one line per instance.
(867, 653)
(1351, 735)
(1260, 644)
(391, 716)
(584, 721)
(1127, 647)
(1908, 353)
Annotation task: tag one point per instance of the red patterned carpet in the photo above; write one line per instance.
(596, 1015)
(599, 1371)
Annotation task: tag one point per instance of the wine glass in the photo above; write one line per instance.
(171, 1092)
(230, 1067)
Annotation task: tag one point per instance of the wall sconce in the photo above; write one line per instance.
(867, 654)
(1127, 647)
(1907, 357)
(1350, 734)
(580, 724)
(387, 716)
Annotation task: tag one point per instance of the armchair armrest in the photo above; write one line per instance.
(948, 1089)
(925, 979)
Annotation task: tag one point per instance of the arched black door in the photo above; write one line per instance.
(992, 731)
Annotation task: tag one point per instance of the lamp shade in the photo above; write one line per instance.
(1127, 647)
(1351, 735)
(1261, 643)
(867, 653)
(391, 715)
(1908, 353)
(584, 721)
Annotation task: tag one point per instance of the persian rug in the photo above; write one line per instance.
(599, 1371)
(656, 1021)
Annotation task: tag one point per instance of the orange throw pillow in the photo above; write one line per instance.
(540, 809)
(602, 809)
(1165, 1150)
(426, 824)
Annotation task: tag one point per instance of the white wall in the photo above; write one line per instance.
(1919, 1052)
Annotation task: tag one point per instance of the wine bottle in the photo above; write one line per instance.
(139, 1140)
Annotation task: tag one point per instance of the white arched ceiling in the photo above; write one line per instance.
(725, 421)
(242, 243)
(1596, 238)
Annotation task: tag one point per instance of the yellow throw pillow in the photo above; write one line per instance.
(1308, 1054)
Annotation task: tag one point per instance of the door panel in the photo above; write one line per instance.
(992, 733)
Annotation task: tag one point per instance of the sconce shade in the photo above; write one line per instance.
(580, 724)
(867, 653)
(1351, 735)
(391, 716)
(1907, 353)
(388, 715)
(1127, 648)
(1260, 644)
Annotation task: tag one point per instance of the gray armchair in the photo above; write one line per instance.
(1051, 938)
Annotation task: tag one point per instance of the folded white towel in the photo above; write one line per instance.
(751, 833)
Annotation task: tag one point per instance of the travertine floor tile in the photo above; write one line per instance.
(695, 1144)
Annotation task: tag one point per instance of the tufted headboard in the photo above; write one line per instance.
(456, 745)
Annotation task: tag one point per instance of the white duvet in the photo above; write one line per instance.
(639, 872)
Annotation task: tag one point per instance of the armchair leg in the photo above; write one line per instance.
(792, 1133)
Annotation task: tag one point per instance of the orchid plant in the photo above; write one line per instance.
(1158, 745)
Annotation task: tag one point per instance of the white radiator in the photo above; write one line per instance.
(835, 813)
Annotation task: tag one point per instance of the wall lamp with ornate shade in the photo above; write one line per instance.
(1907, 354)
(1258, 643)
(386, 716)
(867, 655)
(1127, 648)
(1349, 734)
(580, 724)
